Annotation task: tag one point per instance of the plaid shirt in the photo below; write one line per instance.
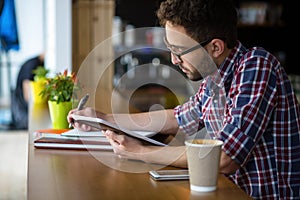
(260, 126)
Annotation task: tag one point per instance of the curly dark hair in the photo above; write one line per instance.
(202, 19)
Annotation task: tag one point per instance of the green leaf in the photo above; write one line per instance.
(40, 73)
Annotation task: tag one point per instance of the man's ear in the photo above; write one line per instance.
(217, 47)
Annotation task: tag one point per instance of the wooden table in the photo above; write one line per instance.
(71, 174)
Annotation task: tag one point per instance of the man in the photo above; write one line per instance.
(21, 94)
(260, 126)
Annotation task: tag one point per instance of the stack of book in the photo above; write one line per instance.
(71, 139)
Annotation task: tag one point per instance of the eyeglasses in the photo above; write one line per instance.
(178, 55)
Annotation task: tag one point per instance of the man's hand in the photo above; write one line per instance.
(89, 112)
(124, 146)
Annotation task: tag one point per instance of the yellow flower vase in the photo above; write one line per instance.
(58, 114)
(37, 87)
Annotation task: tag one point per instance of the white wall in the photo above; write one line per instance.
(58, 35)
(30, 21)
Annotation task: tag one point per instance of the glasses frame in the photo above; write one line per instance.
(178, 55)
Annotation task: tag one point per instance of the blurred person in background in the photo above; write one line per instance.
(20, 96)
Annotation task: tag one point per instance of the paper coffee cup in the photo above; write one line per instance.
(203, 157)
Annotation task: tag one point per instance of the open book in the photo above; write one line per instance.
(103, 125)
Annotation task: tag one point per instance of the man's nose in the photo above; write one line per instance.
(175, 60)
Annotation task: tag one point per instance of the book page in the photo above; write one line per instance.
(78, 133)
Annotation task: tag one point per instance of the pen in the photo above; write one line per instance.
(82, 102)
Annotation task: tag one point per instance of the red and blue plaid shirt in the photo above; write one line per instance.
(261, 123)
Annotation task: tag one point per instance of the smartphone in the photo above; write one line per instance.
(169, 174)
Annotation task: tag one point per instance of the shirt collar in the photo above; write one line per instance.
(226, 69)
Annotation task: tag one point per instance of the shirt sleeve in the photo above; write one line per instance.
(189, 115)
(251, 101)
